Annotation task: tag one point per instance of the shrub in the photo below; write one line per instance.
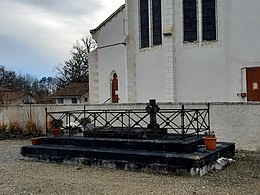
(3, 128)
(30, 127)
(15, 127)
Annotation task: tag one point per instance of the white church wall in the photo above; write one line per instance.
(212, 71)
(93, 77)
(201, 75)
(107, 65)
(149, 74)
(242, 26)
(114, 31)
(202, 71)
(200, 66)
(148, 62)
(111, 57)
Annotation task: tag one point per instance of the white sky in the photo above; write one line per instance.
(37, 35)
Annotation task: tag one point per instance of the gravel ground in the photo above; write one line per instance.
(20, 176)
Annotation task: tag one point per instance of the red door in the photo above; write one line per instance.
(253, 83)
(115, 89)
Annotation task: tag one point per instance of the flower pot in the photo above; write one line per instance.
(210, 142)
(36, 141)
(56, 132)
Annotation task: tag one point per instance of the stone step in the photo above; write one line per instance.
(170, 145)
(129, 158)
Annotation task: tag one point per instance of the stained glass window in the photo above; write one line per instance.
(144, 23)
(157, 22)
(190, 20)
(209, 20)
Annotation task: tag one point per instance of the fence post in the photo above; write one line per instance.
(129, 120)
(69, 124)
(94, 120)
(182, 121)
(122, 115)
(46, 121)
(208, 118)
(106, 118)
(197, 118)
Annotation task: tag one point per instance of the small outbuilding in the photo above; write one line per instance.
(74, 93)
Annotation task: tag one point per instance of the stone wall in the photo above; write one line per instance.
(232, 122)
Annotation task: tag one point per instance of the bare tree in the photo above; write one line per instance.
(76, 69)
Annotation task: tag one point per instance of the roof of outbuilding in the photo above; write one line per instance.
(3, 89)
(73, 89)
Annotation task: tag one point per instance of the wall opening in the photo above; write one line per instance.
(114, 89)
(253, 83)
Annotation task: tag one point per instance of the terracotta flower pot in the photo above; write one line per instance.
(56, 132)
(36, 141)
(210, 142)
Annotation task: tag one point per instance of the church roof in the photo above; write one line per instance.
(108, 19)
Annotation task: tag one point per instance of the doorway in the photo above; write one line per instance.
(114, 89)
(253, 83)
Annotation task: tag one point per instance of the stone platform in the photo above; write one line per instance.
(169, 155)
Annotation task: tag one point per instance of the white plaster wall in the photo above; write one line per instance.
(200, 67)
(237, 123)
(107, 64)
(200, 75)
(112, 57)
(114, 31)
(131, 52)
(242, 38)
(202, 71)
(148, 62)
(93, 77)
(69, 100)
(212, 72)
(149, 75)
(65, 101)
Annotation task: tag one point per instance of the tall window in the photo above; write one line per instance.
(144, 20)
(150, 23)
(209, 20)
(199, 20)
(157, 22)
(190, 20)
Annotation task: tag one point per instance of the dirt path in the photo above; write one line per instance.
(19, 176)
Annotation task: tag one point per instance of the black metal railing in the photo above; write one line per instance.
(181, 121)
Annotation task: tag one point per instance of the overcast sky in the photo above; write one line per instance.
(36, 35)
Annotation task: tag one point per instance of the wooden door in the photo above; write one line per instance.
(114, 88)
(253, 83)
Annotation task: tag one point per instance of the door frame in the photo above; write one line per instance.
(114, 88)
(243, 93)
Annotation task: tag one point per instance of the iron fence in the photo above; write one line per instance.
(184, 122)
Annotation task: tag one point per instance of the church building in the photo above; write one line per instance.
(177, 51)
